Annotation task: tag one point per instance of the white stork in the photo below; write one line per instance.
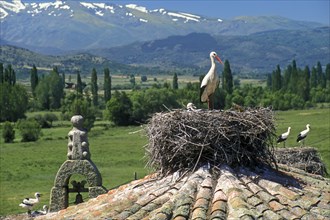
(44, 211)
(284, 136)
(210, 82)
(28, 203)
(302, 135)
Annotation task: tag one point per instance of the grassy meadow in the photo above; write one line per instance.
(117, 152)
(319, 135)
(30, 167)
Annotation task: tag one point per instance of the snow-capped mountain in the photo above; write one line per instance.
(59, 26)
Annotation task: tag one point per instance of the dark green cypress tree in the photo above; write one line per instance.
(63, 79)
(8, 73)
(321, 81)
(55, 70)
(13, 77)
(94, 87)
(227, 78)
(175, 81)
(269, 81)
(294, 78)
(107, 85)
(1, 73)
(327, 75)
(79, 86)
(313, 83)
(34, 79)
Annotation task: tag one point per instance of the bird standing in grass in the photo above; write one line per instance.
(28, 203)
(284, 136)
(302, 135)
(210, 82)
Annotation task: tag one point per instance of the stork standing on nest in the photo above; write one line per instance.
(210, 82)
(283, 137)
(302, 135)
(28, 203)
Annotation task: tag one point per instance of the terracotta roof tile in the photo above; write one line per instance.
(216, 193)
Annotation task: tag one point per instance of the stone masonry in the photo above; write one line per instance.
(79, 162)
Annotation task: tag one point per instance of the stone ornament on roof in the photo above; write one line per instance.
(78, 147)
(79, 162)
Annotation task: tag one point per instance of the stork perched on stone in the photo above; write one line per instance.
(303, 134)
(28, 203)
(283, 137)
(210, 82)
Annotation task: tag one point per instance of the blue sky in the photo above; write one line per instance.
(308, 10)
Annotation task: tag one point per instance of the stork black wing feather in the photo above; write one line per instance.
(201, 92)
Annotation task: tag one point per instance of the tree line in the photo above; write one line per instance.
(293, 88)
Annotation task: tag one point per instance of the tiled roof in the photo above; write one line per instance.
(212, 193)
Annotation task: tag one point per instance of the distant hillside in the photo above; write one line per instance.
(22, 60)
(258, 53)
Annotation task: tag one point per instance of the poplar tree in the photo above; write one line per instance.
(56, 89)
(34, 79)
(175, 84)
(107, 85)
(287, 78)
(304, 84)
(276, 79)
(9, 75)
(313, 83)
(294, 78)
(94, 87)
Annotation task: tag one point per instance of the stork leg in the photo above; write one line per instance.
(210, 102)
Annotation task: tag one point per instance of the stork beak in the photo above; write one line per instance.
(218, 58)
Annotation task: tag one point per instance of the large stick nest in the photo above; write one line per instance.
(306, 159)
(181, 140)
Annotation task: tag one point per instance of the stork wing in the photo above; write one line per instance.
(201, 94)
(28, 202)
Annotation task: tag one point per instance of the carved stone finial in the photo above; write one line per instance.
(78, 162)
(78, 147)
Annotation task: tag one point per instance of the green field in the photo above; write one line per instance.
(30, 167)
(319, 135)
(117, 152)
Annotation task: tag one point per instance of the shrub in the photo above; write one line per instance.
(144, 78)
(8, 132)
(30, 130)
(41, 121)
(50, 117)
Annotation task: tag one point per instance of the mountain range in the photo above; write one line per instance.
(134, 35)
